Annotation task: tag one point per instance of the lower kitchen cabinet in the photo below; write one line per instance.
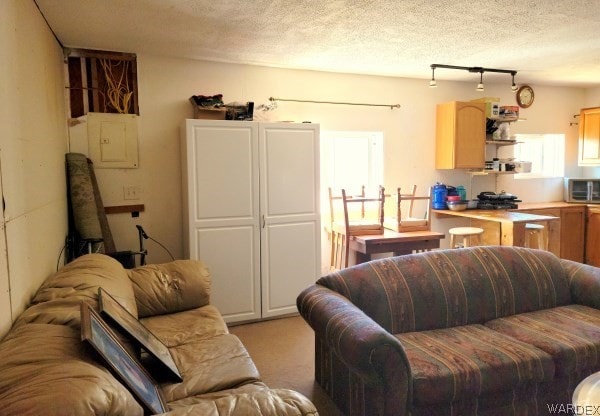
(572, 233)
(555, 237)
(592, 244)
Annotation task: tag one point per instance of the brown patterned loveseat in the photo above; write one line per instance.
(476, 331)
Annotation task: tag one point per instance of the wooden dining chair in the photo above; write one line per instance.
(406, 217)
(357, 219)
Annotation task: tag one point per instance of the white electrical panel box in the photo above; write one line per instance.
(112, 140)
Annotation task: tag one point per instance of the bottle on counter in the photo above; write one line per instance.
(439, 194)
(462, 192)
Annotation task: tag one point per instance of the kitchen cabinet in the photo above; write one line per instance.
(554, 228)
(460, 135)
(589, 137)
(569, 234)
(592, 243)
(251, 215)
(572, 233)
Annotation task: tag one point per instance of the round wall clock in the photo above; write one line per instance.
(525, 96)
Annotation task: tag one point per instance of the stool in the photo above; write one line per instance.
(536, 236)
(466, 233)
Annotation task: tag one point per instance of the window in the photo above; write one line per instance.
(351, 159)
(546, 152)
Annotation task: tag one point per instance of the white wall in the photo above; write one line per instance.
(32, 147)
(165, 85)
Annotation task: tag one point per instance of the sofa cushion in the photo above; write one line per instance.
(256, 402)
(570, 334)
(208, 365)
(446, 288)
(170, 287)
(472, 360)
(47, 370)
(79, 281)
(182, 327)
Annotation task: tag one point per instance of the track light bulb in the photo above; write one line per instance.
(513, 86)
(432, 83)
(480, 85)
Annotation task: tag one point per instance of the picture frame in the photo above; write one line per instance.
(97, 333)
(116, 313)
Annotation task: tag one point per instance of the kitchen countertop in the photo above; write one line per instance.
(496, 215)
(507, 228)
(544, 205)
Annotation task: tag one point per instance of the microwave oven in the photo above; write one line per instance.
(582, 190)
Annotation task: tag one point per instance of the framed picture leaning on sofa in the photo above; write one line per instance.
(97, 333)
(110, 308)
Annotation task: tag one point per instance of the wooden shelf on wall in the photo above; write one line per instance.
(124, 209)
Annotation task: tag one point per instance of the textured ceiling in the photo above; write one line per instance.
(552, 42)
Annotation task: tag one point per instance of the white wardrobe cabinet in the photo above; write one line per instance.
(251, 202)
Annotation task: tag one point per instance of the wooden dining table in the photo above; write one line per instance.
(393, 242)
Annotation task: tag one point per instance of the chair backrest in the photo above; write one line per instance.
(412, 211)
(364, 225)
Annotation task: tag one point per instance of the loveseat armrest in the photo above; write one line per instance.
(170, 287)
(360, 343)
(584, 282)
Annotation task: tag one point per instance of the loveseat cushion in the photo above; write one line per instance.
(47, 370)
(170, 287)
(570, 334)
(456, 363)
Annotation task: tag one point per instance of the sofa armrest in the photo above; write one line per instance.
(584, 283)
(170, 287)
(359, 342)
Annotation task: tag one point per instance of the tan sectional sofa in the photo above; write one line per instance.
(45, 368)
(477, 331)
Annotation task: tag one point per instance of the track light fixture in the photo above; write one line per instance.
(479, 69)
(480, 85)
(432, 83)
(513, 86)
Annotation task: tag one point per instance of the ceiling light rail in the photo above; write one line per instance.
(391, 106)
(474, 69)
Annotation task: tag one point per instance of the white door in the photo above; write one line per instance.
(223, 212)
(289, 205)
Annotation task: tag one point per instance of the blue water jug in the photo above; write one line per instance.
(439, 193)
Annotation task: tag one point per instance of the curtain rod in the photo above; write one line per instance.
(391, 106)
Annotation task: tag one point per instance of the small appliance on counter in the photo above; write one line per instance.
(582, 190)
(492, 200)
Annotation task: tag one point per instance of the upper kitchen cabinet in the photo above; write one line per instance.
(460, 135)
(589, 137)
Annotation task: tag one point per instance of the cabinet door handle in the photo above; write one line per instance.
(264, 221)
